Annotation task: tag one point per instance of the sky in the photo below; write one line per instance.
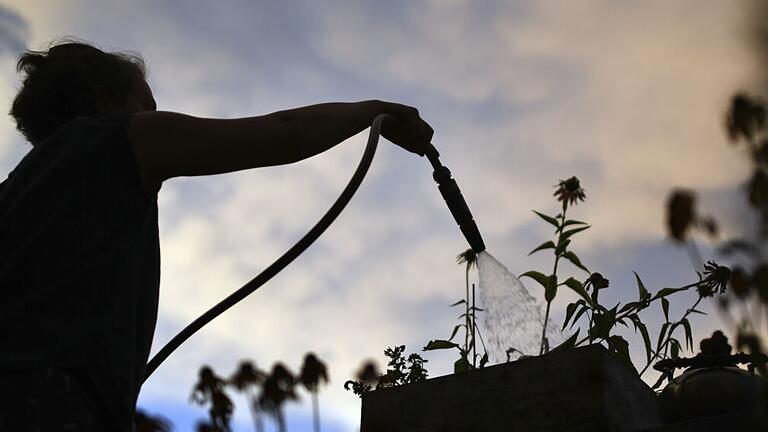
(628, 96)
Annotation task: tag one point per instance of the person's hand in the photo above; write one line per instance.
(406, 128)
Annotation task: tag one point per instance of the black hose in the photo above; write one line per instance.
(284, 260)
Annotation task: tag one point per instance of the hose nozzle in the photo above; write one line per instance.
(451, 193)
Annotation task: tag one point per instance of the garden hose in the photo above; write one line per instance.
(448, 188)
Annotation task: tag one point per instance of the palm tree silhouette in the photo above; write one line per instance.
(313, 373)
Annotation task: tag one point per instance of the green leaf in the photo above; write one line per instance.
(578, 287)
(546, 245)
(462, 365)
(573, 222)
(549, 219)
(629, 306)
(697, 311)
(462, 301)
(674, 348)
(579, 314)
(562, 246)
(455, 330)
(667, 291)
(440, 344)
(569, 310)
(569, 233)
(484, 360)
(688, 334)
(567, 344)
(548, 282)
(662, 333)
(550, 291)
(665, 307)
(646, 339)
(618, 345)
(601, 325)
(570, 256)
(641, 288)
(539, 277)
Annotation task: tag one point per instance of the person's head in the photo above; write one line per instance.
(74, 79)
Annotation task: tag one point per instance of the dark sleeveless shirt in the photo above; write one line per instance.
(80, 260)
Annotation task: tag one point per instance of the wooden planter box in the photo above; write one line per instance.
(584, 389)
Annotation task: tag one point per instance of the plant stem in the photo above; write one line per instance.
(280, 420)
(316, 411)
(665, 345)
(554, 272)
(256, 418)
(482, 342)
(466, 314)
(474, 325)
(544, 330)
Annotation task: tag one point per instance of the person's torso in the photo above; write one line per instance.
(79, 259)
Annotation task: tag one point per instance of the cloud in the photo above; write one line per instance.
(14, 32)
(628, 96)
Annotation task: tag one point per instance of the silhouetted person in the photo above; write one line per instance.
(79, 249)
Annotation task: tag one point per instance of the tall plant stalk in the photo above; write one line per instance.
(549, 299)
(569, 192)
(467, 317)
(314, 373)
(474, 326)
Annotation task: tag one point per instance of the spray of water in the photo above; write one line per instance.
(513, 318)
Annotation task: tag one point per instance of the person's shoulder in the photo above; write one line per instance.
(101, 123)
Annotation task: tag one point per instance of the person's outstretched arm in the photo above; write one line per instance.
(168, 144)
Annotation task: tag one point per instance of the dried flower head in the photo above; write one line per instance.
(716, 278)
(745, 117)
(278, 388)
(597, 281)
(716, 344)
(469, 257)
(681, 213)
(247, 375)
(570, 191)
(740, 283)
(210, 389)
(313, 373)
(368, 373)
(207, 384)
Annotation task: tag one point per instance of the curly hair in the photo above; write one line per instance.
(60, 84)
